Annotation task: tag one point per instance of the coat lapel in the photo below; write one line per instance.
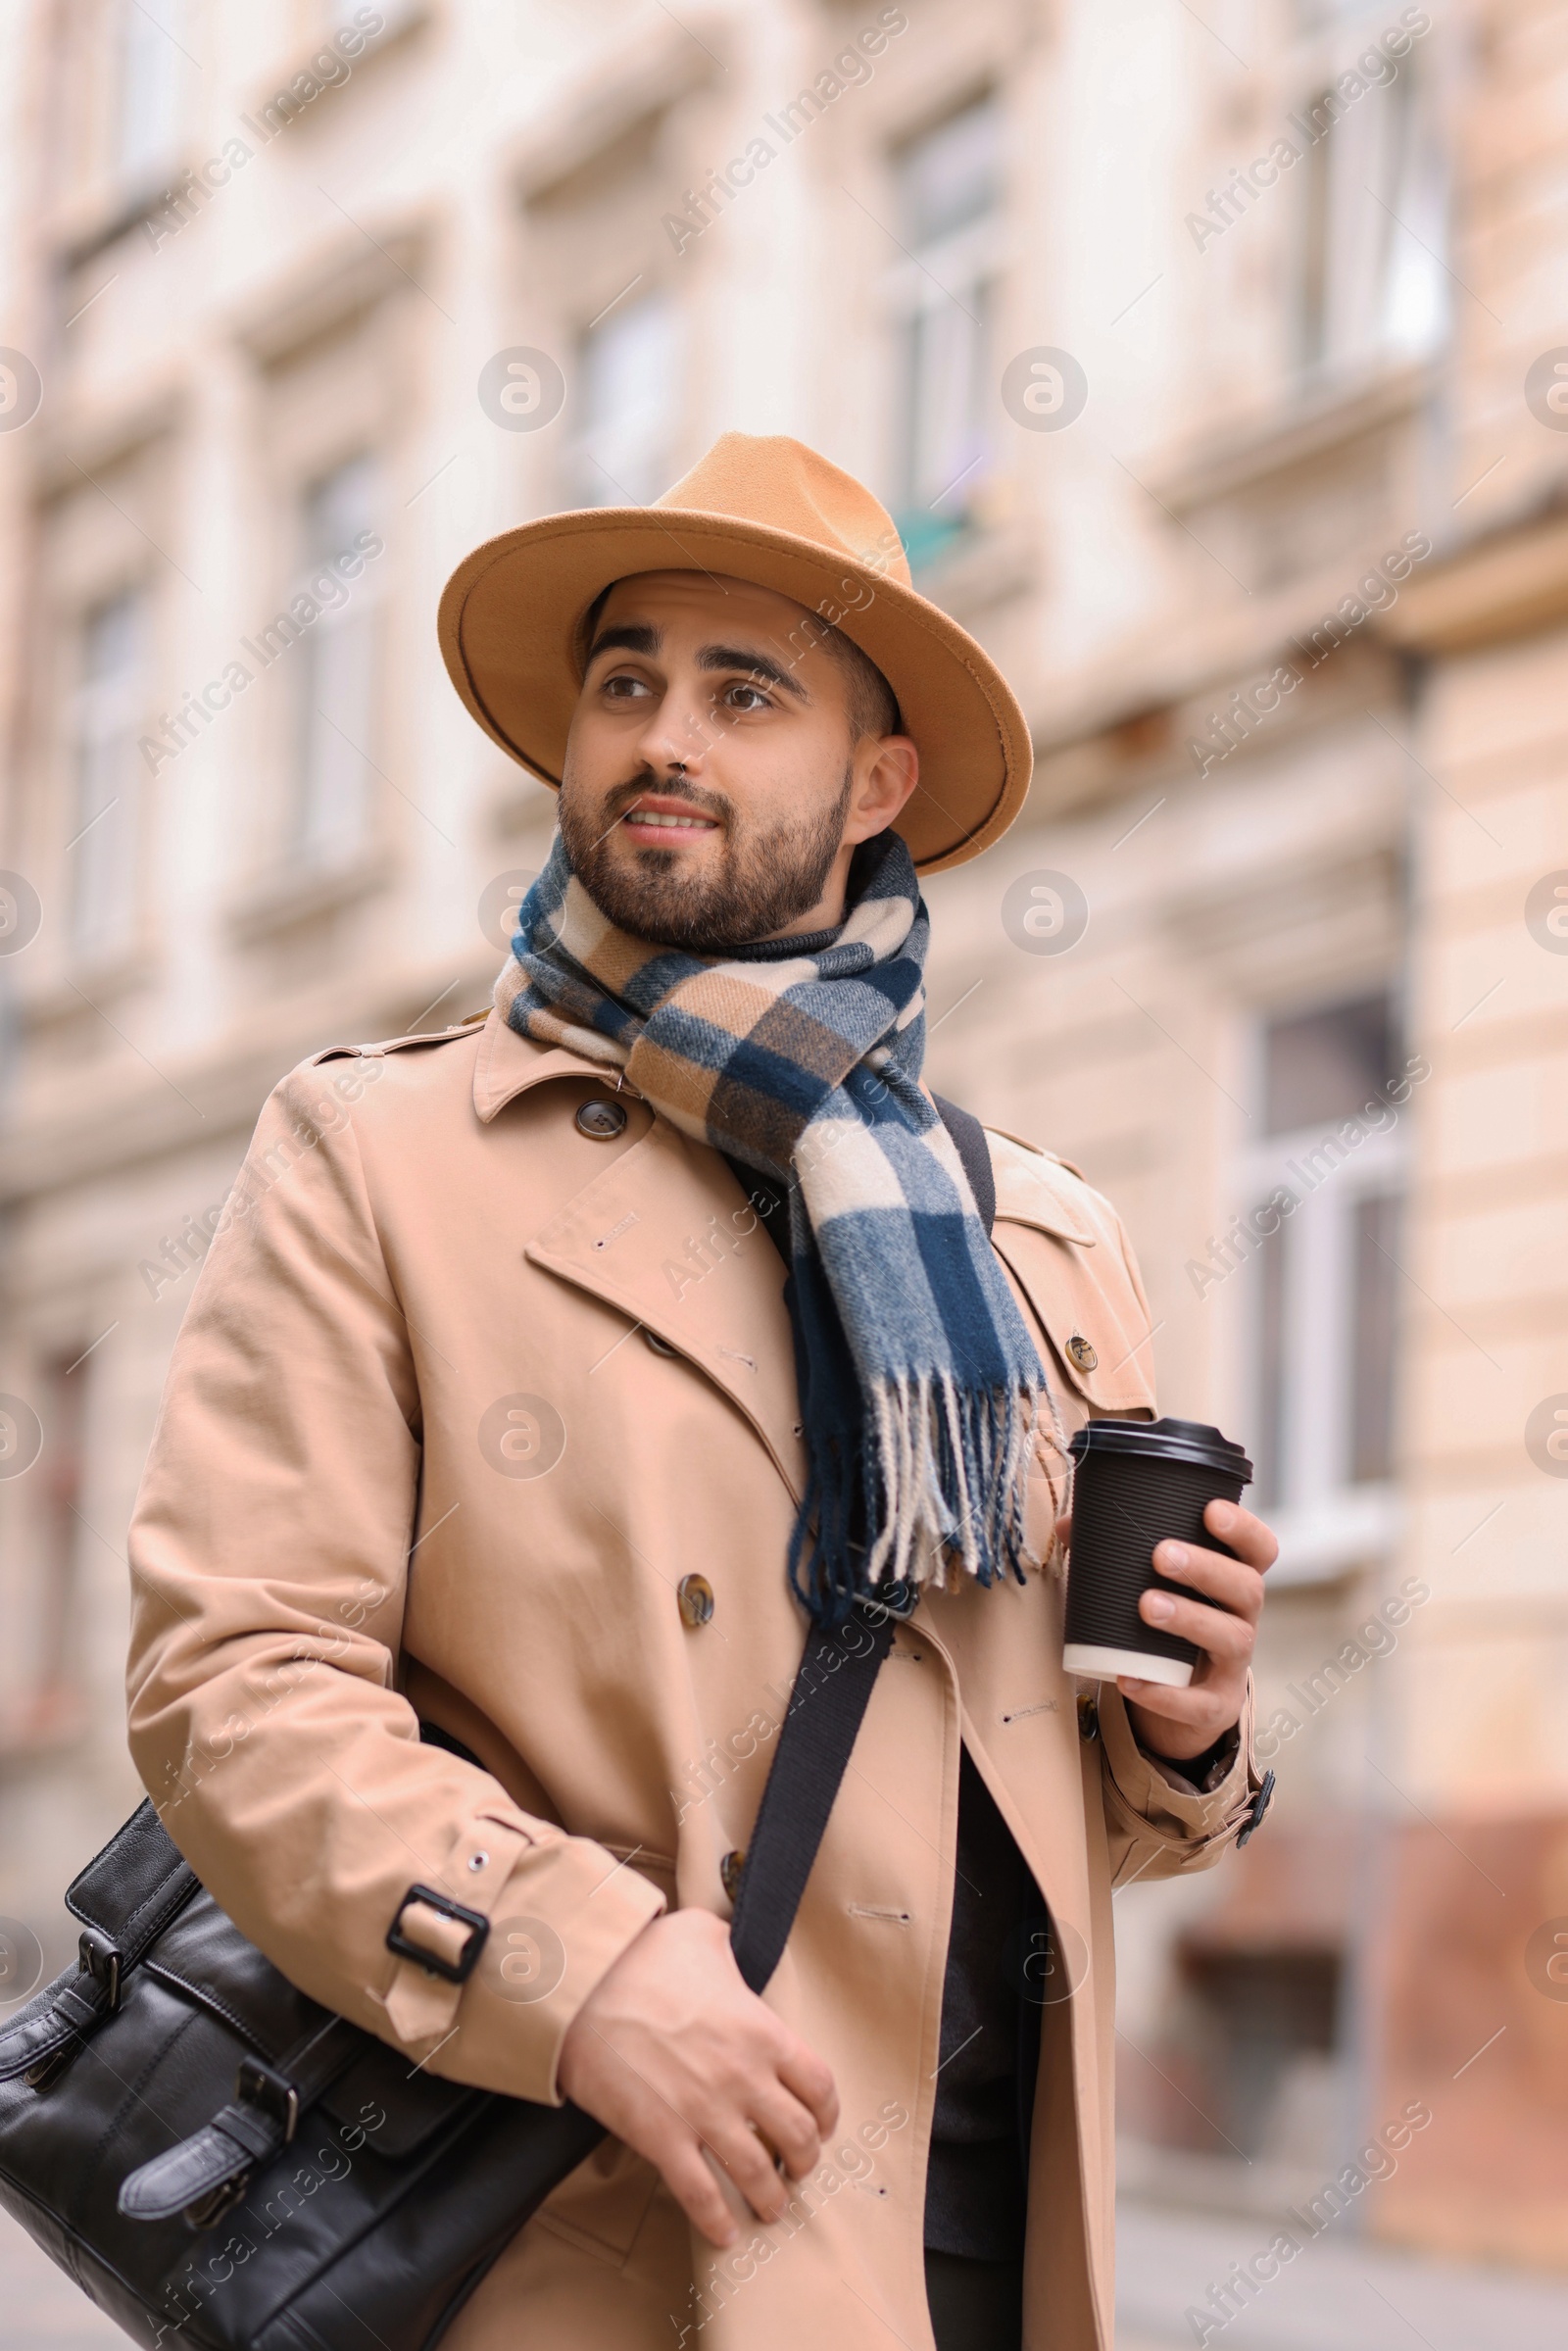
(666, 1236)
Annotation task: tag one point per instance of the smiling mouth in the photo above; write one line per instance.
(665, 818)
(689, 824)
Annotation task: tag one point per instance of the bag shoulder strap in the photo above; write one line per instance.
(969, 1141)
(827, 1704)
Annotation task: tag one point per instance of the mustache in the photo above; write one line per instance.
(698, 797)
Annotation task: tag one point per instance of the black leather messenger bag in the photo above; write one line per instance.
(220, 2162)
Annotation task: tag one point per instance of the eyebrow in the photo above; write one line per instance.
(632, 636)
(756, 664)
(636, 636)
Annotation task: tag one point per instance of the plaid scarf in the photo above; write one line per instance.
(918, 1381)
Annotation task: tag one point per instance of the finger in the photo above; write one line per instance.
(788, 2128)
(749, 2166)
(1207, 1709)
(1064, 1526)
(1235, 1587)
(1245, 1534)
(697, 2192)
(1223, 1636)
(802, 2070)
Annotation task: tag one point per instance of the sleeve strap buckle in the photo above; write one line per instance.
(457, 1970)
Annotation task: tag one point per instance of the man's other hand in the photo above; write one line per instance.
(673, 2054)
(1221, 1621)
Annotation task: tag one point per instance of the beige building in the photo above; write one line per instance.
(1208, 361)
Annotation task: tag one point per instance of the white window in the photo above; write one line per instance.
(339, 667)
(947, 196)
(1324, 1287)
(627, 369)
(1369, 235)
(107, 712)
(151, 65)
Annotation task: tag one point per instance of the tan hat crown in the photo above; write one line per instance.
(783, 485)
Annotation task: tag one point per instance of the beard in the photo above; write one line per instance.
(765, 876)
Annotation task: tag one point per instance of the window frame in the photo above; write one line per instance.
(963, 265)
(1327, 1521)
(308, 849)
(127, 696)
(1372, 342)
(585, 480)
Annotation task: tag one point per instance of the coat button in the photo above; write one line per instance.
(1087, 1719)
(603, 1120)
(729, 1870)
(1078, 1348)
(694, 1596)
(661, 1346)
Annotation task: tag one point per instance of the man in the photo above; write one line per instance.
(548, 1377)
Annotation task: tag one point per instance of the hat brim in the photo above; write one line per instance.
(512, 613)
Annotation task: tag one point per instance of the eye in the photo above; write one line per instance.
(744, 696)
(621, 686)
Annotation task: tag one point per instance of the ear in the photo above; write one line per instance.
(886, 769)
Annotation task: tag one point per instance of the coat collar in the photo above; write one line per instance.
(508, 1065)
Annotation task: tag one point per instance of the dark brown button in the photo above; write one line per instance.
(1082, 1353)
(661, 1346)
(1087, 1719)
(694, 1595)
(729, 1870)
(603, 1120)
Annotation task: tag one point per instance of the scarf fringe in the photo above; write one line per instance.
(941, 1473)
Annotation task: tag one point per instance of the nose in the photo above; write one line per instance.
(676, 738)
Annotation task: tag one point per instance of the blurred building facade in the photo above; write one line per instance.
(1210, 370)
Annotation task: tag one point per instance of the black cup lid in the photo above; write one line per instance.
(1164, 1441)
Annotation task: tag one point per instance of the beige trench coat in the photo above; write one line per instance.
(462, 1394)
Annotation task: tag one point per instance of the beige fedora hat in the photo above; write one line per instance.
(768, 509)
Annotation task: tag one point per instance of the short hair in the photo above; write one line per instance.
(873, 705)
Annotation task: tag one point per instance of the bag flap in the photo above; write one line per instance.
(134, 1886)
(377, 2100)
(205, 1955)
(379, 2104)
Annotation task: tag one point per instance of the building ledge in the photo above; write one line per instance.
(1255, 451)
(1512, 582)
(291, 897)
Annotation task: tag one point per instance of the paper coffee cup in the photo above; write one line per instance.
(1139, 1483)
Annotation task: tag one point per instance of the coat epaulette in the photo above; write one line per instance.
(398, 1044)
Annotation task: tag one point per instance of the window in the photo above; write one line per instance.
(1368, 279)
(1324, 1284)
(947, 196)
(105, 786)
(151, 64)
(627, 366)
(337, 679)
(50, 1633)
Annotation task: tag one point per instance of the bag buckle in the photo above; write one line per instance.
(99, 1958)
(256, 2084)
(455, 1971)
(897, 1599)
